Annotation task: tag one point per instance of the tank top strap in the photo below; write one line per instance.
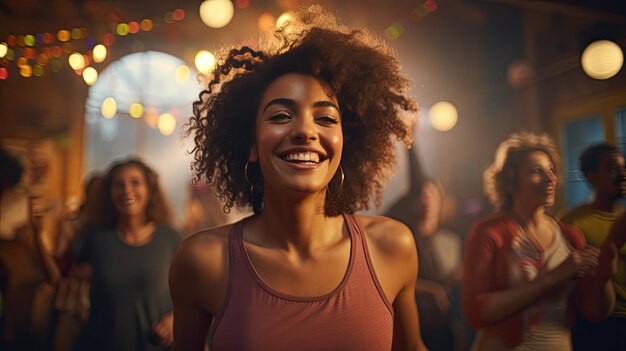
(357, 234)
(235, 240)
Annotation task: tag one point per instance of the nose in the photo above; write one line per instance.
(304, 130)
(550, 178)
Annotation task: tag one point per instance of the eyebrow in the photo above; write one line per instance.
(291, 103)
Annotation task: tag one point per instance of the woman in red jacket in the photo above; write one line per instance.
(525, 271)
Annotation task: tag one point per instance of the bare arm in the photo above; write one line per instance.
(406, 331)
(48, 263)
(198, 281)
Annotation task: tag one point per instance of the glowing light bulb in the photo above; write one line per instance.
(602, 59)
(99, 53)
(443, 116)
(205, 61)
(166, 124)
(77, 61)
(90, 75)
(109, 108)
(216, 13)
(135, 110)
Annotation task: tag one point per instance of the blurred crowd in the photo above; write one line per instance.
(523, 276)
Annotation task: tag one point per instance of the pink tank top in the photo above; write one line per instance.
(355, 316)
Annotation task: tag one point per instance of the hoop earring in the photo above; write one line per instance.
(254, 188)
(340, 184)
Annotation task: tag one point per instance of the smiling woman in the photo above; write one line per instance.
(525, 272)
(129, 247)
(303, 132)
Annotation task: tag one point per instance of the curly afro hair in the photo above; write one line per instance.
(501, 177)
(362, 72)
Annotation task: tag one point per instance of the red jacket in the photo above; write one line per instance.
(486, 269)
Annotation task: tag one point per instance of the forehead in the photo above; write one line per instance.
(128, 171)
(298, 87)
(612, 158)
(537, 157)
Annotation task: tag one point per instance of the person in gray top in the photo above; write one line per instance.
(130, 248)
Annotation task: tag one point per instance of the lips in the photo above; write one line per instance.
(128, 200)
(300, 156)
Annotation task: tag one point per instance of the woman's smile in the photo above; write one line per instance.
(299, 134)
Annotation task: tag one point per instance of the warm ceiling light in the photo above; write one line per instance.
(443, 116)
(602, 59)
(216, 13)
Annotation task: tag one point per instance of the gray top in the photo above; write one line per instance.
(129, 288)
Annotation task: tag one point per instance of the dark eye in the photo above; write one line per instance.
(135, 182)
(280, 117)
(327, 120)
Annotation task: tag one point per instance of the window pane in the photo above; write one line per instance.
(575, 137)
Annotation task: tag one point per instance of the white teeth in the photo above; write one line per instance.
(303, 156)
(128, 201)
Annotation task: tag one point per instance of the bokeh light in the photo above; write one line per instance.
(76, 33)
(205, 61)
(109, 108)
(90, 75)
(4, 73)
(26, 71)
(146, 25)
(29, 40)
(443, 116)
(602, 59)
(108, 39)
(520, 73)
(151, 117)
(182, 74)
(68, 47)
(38, 70)
(21, 61)
(166, 124)
(266, 20)
(122, 29)
(242, 4)
(99, 53)
(63, 35)
(135, 110)
(178, 15)
(284, 20)
(48, 38)
(4, 48)
(133, 27)
(216, 13)
(76, 61)
(394, 31)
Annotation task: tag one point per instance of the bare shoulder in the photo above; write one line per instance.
(389, 236)
(199, 271)
(204, 251)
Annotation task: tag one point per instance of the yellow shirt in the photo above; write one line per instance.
(595, 225)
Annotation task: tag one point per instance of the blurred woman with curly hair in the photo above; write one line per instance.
(129, 246)
(524, 271)
(302, 131)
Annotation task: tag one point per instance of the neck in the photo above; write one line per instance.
(528, 215)
(297, 223)
(604, 203)
(134, 228)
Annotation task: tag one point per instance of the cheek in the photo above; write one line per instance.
(269, 138)
(336, 142)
